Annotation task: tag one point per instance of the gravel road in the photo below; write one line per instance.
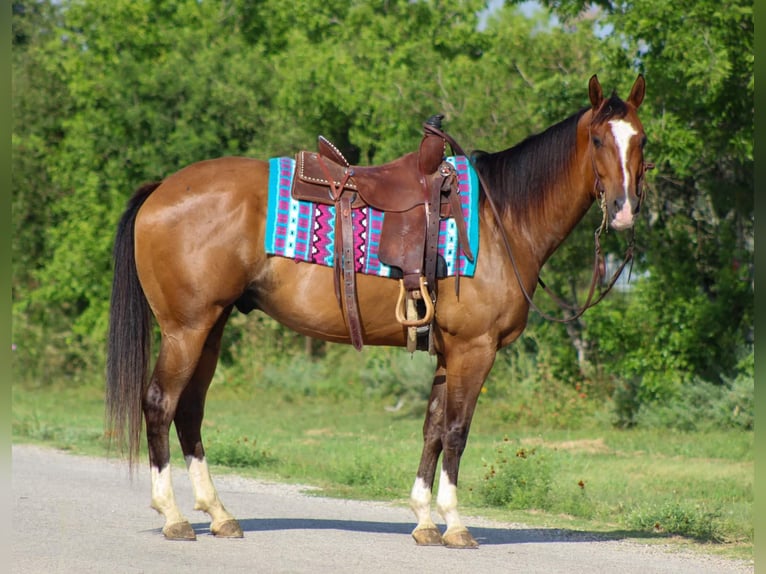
(81, 514)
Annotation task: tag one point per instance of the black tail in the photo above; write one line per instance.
(130, 335)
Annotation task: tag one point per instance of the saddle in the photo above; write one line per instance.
(414, 191)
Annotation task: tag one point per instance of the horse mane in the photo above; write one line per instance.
(522, 177)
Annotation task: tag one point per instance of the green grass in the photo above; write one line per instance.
(692, 488)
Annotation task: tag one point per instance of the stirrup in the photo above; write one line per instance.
(401, 314)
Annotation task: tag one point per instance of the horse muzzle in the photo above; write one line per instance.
(623, 215)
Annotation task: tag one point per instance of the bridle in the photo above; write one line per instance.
(598, 263)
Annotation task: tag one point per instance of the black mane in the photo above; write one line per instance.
(518, 177)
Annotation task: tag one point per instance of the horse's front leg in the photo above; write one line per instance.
(462, 394)
(457, 384)
(426, 533)
(467, 367)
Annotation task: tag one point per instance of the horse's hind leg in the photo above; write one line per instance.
(180, 351)
(170, 376)
(188, 422)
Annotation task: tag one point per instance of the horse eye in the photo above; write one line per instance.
(597, 143)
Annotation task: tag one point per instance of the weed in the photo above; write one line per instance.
(576, 501)
(33, 428)
(675, 518)
(238, 453)
(518, 480)
(376, 477)
(358, 473)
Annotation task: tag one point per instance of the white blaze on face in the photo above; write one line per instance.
(623, 132)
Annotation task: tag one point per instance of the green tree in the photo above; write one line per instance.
(136, 91)
(38, 113)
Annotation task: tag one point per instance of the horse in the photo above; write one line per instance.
(189, 249)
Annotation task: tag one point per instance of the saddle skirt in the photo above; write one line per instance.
(304, 230)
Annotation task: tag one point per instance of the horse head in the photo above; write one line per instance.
(616, 140)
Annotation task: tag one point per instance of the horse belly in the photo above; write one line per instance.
(301, 296)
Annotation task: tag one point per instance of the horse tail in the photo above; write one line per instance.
(130, 336)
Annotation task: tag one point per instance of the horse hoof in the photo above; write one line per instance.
(227, 529)
(427, 536)
(459, 538)
(179, 531)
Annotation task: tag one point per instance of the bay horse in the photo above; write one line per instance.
(191, 248)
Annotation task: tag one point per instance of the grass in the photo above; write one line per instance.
(693, 488)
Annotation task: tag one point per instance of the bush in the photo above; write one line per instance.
(258, 351)
(45, 351)
(392, 372)
(659, 343)
(701, 405)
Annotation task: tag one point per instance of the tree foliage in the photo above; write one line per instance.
(108, 95)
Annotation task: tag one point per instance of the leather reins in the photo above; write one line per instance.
(598, 264)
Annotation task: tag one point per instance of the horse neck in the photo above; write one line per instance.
(568, 197)
(572, 197)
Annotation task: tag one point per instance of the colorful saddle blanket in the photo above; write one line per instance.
(304, 231)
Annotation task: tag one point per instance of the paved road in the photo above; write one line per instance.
(78, 514)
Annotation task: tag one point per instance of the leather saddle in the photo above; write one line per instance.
(414, 191)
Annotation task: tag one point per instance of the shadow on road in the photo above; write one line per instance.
(484, 535)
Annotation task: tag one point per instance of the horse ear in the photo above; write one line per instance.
(595, 92)
(637, 92)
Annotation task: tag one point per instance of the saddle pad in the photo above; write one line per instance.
(304, 231)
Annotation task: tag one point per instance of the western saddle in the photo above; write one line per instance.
(414, 191)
